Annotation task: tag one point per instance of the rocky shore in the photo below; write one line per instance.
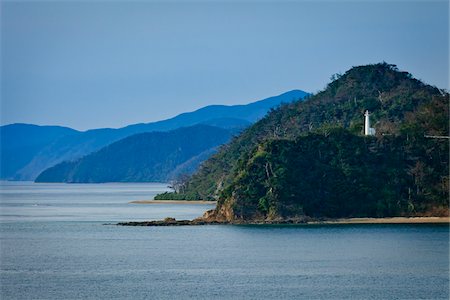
(171, 222)
(210, 218)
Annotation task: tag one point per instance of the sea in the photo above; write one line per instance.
(59, 241)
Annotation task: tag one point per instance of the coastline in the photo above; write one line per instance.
(201, 221)
(172, 202)
(393, 220)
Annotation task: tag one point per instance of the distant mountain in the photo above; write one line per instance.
(21, 142)
(228, 123)
(224, 116)
(73, 146)
(144, 157)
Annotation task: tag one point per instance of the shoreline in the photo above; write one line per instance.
(390, 220)
(172, 202)
(347, 221)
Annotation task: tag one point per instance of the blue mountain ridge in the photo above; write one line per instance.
(72, 144)
(19, 143)
(157, 156)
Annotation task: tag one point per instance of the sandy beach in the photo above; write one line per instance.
(395, 220)
(172, 202)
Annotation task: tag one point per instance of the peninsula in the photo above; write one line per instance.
(362, 148)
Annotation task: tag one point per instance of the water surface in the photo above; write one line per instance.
(54, 246)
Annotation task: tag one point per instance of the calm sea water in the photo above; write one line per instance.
(54, 246)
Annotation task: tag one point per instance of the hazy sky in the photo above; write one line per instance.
(108, 64)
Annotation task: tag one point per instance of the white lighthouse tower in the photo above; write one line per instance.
(367, 129)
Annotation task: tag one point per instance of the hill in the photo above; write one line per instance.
(78, 144)
(310, 158)
(144, 157)
(19, 143)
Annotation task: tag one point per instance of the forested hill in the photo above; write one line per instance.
(310, 158)
(145, 157)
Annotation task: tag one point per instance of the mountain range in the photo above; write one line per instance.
(27, 150)
(143, 157)
(19, 143)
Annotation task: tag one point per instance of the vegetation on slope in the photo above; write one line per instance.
(341, 175)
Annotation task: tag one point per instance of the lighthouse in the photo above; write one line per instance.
(367, 129)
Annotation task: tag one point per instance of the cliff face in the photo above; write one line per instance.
(310, 159)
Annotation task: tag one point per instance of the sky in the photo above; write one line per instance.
(93, 64)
